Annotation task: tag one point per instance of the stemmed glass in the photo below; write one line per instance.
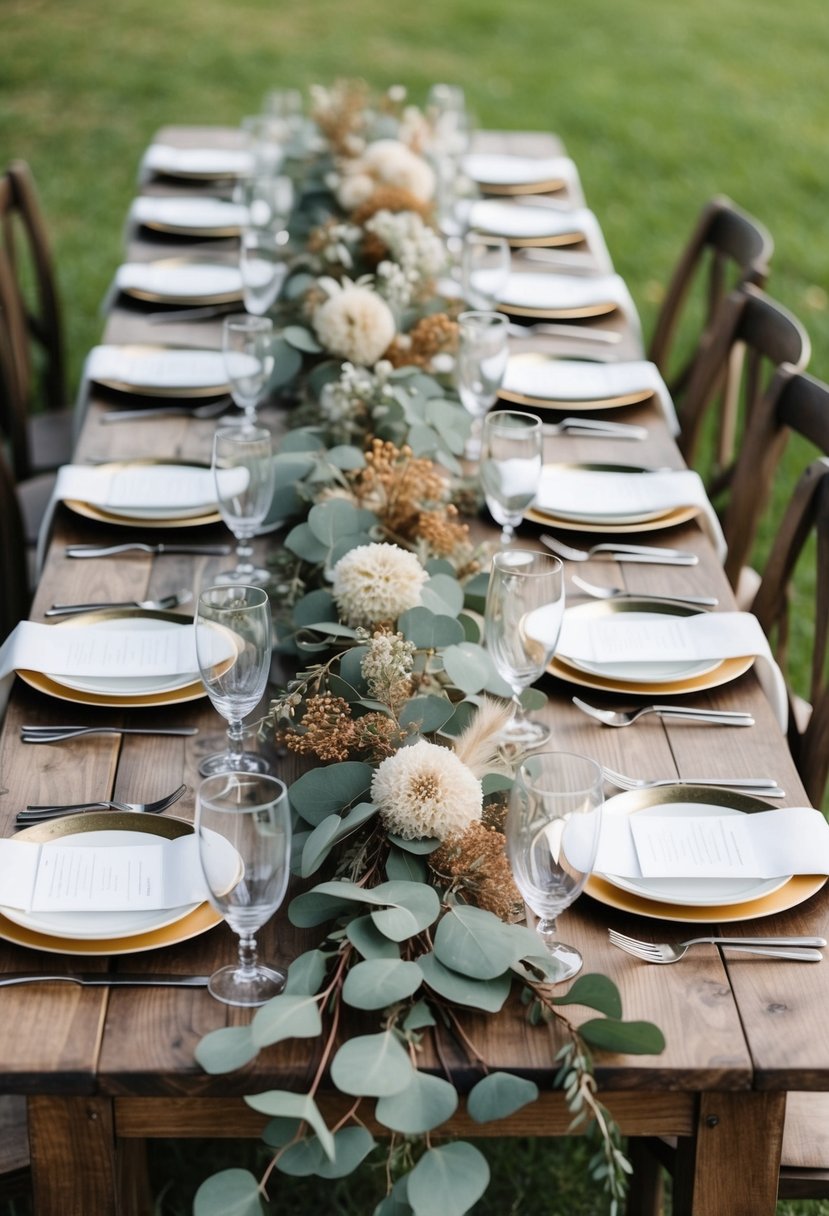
(269, 199)
(247, 344)
(233, 648)
(524, 611)
(511, 458)
(482, 361)
(552, 832)
(485, 268)
(252, 814)
(245, 479)
(263, 261)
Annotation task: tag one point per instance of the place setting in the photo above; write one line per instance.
(146, 370)
(196, 280)
(545, 294)
(195, 164)
(192, 215)
(505, 173)
(532, 224)
(140, 493)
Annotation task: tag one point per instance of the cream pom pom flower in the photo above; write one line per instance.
(425, 790)
(354, 323)
(376, 583)
(385, 162)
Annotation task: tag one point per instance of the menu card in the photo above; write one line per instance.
(571, 380)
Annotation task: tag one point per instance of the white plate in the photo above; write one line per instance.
(206, 216)
(157, 370)
(197, 162)
(568, 295)
(524, 222)
(646, 673)
(130, 686)
(181, 281)
(507, 169)
(694, 892)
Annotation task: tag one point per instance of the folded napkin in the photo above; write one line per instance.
(595, 493)
(156, 368)
(506, 169)
(568, 380)
(688, 844)
(181, 280)
(192, 213)
(198, 162)
(625, 638)
(152, 487)
(559, 293)
(525, 221)
(137, 876)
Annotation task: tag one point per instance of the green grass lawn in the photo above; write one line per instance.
(662, 105)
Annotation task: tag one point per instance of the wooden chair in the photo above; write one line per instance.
(726, 249)
(758, 333)
(31, 315)
(14, 573)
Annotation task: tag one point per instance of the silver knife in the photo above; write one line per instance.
(140, 547)
(105, 979)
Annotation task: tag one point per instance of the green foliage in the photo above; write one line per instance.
(229, 1193)
(499, 1095)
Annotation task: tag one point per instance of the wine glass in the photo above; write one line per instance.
(233, 649)
(247, 344)
(268, 198)
(485, 268)
(552, 832)
(264, 264)
(265, 138)
(482, 361)
(524, 611)
(250, 813)
(245, 478)
(511, 458)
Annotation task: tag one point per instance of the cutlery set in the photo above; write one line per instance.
(140, 547)
(798, 949)
(211, 410)
(56, 734)
(165, 604)
(39, 814)
(594, 429)
(621, 553)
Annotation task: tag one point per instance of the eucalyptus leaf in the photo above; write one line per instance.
(395, 1203)
(367, 939)
(493, 783)
(475, 591)
(488, 995)
(413, 907)
(280, 1131)
(427, 713)
(379, 982)
(424, 1104)
(439, 565)
(318, 845)
(322, 791)
(428, 630)
(443, 594)
(468, 666)
(294, 1106)
(314, 908)
(306, 973)
(346, 457)
(351, 669)
(422, 845)
(287, 1016)
(229, 1193)
(301, 339)
(371, 1065)
(406, 867)
(300, 440)
(302, 1159)
(533, 699)
(448, 1179)
(302, 541)
(472, 629)
(464, 712)
(330, 521)
(352, 1145)
(499, 1095)
(226, 1049)
(595, 991)
(631, 1038)
(469, 940)
(418, 1017)
(287, 364)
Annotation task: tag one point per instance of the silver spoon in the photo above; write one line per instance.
(612, 593)
(165, 604)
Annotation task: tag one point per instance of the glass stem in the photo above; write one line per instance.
(248, 956)
(244, 552)
(546, 930)
(507, 533)
(235, 742)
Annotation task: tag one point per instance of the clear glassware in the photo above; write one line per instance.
(233, 648)
(245, 478)
(485, 268)
(265, 138)
(524, 611)
(263, 262)
(552, 832)
(450, 119)
(511, 461)
(247, 345)
(284, 109)
(269, 199)
(482, 361)
(252, 813)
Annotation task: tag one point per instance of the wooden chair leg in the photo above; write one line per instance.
(645, 1193)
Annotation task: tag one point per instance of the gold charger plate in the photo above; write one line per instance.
(642, 522)
(550, 186)
(722, 673)
(798, 888)
(191, 925)
(210, 515)
(213, 297)
(634, 397)
(599, 309)
(63, 692)
(214, 230)
(147, 350)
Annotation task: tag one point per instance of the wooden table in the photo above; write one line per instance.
(104, 1070)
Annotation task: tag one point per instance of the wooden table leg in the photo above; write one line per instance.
(73, 1159)
(732, 1163)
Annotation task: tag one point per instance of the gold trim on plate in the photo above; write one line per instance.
(551, 186)
(147, 350)
(200, 517)
(599, 309)
(214, 297)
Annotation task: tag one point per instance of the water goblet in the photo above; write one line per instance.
(233, 649)
(511, 458)
(485, 268)
(263, 262)
(250, 813)
(268, 198)
(482, 361)
(523, 615)
(247, 344)
(552, 832)
(265, 138)
(244, 475)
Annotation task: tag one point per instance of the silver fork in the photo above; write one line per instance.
(56, 734)
(37, 814)
(612, 593)
(608, 336)
(211, 410)
(593, 429)
(610, 717)
(621, 553)
(766, 787)
(162, 605)
(768, 947)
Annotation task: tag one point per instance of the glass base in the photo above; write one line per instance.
(225, 762)
(233, 986)
(255, 577)
(568, 962)
(524, 733)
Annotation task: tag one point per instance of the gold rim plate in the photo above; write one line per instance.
(149, 351)
(550, 186)
(793, 892)
(599, 309)
(90, 511)
(576, 407)
(155, 297)
(671, 519)
(188, 230)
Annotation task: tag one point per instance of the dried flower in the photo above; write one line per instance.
(475, 861)
(386, 668)
(354, 323)
(376, 583)
(425, 790)
(430, 338)
(326, 729)
(386, 162)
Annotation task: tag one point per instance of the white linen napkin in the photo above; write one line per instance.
(157, 368)
(690, 844)
(209, 162)
(508, 169)
(591, 492)
(196, 281)
(557, 293)
(623, 638)
(573, 380)
(192, 213)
